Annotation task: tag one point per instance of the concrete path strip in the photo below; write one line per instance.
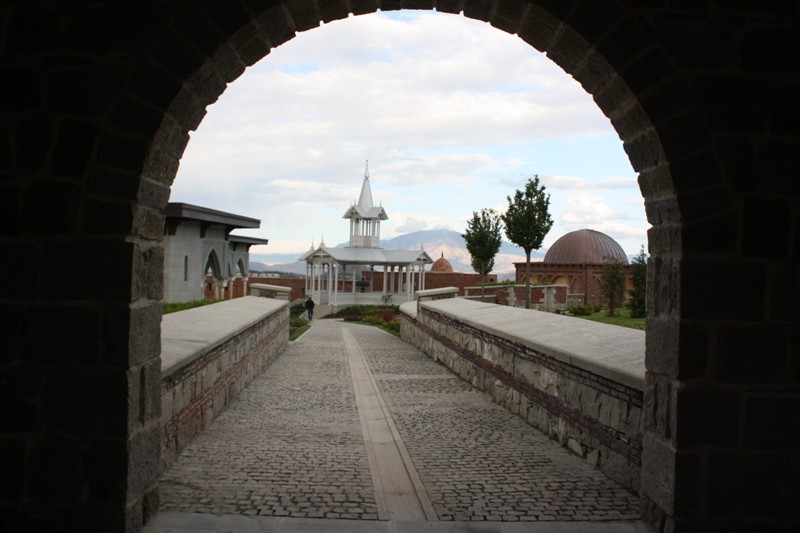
(399, 492)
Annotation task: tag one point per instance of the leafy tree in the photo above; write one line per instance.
(483, 238)
(638, 293)
(612, 281)
(527, 222)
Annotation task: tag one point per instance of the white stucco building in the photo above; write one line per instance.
(328, 269)
(198, 241)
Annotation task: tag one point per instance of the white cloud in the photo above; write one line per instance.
(411, 225)
(452, 114)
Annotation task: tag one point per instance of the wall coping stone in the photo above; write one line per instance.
(614, 352)
(436, 292)
(409, 308)
(276, 288)
(188, 335)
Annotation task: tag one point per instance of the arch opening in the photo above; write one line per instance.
(637, 245)
(700, 114)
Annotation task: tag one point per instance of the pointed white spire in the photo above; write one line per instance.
(365, 199)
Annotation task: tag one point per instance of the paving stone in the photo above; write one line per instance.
(292, 445)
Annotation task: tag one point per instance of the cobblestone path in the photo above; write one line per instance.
(292, 445)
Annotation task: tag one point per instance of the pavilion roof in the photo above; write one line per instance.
(368, 256)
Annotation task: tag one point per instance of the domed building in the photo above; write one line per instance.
(576, 260)
(442, 274)
(442, 266)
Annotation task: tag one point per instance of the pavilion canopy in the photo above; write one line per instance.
(367, 256)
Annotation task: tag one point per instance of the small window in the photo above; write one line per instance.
(185, 268)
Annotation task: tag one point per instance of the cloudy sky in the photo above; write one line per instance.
(452, 114)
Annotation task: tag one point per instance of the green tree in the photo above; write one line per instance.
(527, 222)
(638, 292)
(612, 282)
(483, 238)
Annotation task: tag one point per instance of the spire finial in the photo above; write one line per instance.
(365, 198)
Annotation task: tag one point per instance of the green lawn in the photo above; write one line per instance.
(183, 306)
(624, 319)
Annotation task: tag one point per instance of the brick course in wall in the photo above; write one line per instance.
(436, 280)
(194, 394)
(597, 418)
(297, 285)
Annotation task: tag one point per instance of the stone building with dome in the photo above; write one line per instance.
(576, 260)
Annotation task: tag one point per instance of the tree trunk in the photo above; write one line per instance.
(527, 279)
(483, 282)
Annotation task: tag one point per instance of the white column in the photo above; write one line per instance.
(328, 281)
(383, 287)
(318, 280)
(409, 279)
(335, 284)
(401, 279)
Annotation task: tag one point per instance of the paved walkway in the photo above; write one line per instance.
(352, 429)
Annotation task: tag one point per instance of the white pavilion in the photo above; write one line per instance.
(327, 268)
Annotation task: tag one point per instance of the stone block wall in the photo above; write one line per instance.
(598, 418)
(197, 389)
(543, 297)
(298, 285)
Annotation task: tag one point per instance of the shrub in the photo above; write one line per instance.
(387, 316)
(393, 326)
(581, 310)
(372, 320)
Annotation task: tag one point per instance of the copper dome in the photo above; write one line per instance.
(442, 265)
(585, 246)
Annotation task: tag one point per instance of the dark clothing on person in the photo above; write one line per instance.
(310, 308)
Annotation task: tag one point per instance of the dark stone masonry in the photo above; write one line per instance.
(97, 100)
(599, 418)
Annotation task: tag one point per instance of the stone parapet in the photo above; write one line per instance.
(543, 297)
(209, 354)
(265, 290)
(579, 382)
(441, 293)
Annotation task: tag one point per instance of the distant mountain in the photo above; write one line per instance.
(452, 245)
(436, 242)
(295, 267)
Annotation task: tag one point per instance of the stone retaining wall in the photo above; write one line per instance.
(543, 297)
(209, 355)
(265, 290)
(592, 405)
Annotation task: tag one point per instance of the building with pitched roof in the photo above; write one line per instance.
(202, 258)
(328, 269)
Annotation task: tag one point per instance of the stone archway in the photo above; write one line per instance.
(96, 117)
(543, 30)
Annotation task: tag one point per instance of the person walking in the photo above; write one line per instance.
(310, 308)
